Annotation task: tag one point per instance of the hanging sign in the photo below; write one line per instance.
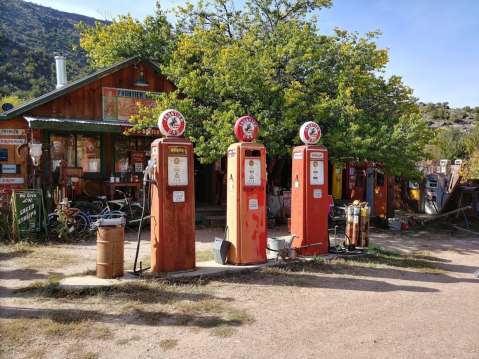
(252, 176)
(171, 123)
(27, 209)
(3, 154)
(153, 131)
(310, 133)
(246, 129)
(12, 141)
(11, 131)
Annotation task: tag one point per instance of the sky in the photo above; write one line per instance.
(433, 44)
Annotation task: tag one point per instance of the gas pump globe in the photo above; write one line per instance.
(246, 196)
(309, 197)
(172, 198)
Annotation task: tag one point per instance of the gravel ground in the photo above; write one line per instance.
(372, 311)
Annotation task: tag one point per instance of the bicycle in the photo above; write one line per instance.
(74, 218)
(101, 209)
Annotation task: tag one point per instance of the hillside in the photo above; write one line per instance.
(29, 35)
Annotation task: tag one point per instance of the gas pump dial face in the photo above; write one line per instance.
(246, 129)
(310, 133)
(171, 123)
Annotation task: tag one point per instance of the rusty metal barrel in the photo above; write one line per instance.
(110, 243)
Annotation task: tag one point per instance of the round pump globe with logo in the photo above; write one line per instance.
(310, 133)
(171, 123)
(246, 129)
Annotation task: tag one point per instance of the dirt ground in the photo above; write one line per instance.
(335, 309)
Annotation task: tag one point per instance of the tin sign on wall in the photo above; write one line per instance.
(3, 154)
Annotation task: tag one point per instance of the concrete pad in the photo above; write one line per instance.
(208, 268)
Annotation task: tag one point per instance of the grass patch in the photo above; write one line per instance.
(223, 331)
(207, 306)
(421, 262)
(204, 256)
(168, 344)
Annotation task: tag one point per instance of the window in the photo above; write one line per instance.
(79, 150)
(122, 147)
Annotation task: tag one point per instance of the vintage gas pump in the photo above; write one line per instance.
(380, 193)
(309, 215)
(246, 196)
(172, 198)
(434, 192)
(337, 185)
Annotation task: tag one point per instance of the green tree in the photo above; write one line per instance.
(269, 61)
(125, 37)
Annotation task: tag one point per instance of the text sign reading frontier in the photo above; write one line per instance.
(310, 133)
(246, 129)
(171, 123)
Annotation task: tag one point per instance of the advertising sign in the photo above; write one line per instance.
(27, 206)
(3, 154)
(121, 104)
(246, 129)
(12, 131)
(12, 141)
(138, 160)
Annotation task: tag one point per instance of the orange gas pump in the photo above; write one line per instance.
(172, 198)
(380, 193)
(309, 214)
(246, 196)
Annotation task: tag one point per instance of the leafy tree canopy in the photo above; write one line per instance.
(269, 61)
(125, 37)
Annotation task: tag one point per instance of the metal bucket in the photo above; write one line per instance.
(276, 244)
(110, 248)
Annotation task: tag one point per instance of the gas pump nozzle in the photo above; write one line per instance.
(149, 171)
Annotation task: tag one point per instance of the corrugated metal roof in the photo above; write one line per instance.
(77, 120)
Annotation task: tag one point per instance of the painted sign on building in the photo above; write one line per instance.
(121, 104)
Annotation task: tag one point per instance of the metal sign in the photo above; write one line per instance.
(246, 129)
(27, 209)
(11, 131)
(171, 123)
(3, 154)
(10, 169)
(12, 141)
(16, 180)
(310, 133)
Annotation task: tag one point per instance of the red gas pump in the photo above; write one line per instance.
(246, 196)
(172, 198)
(309, 215)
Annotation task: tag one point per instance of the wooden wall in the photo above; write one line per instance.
(86, 102)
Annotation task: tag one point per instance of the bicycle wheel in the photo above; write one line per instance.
(87, 207)
(78, 223)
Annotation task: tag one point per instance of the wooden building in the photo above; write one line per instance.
(83, 123)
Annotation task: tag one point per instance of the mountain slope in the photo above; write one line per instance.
(29, 35)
